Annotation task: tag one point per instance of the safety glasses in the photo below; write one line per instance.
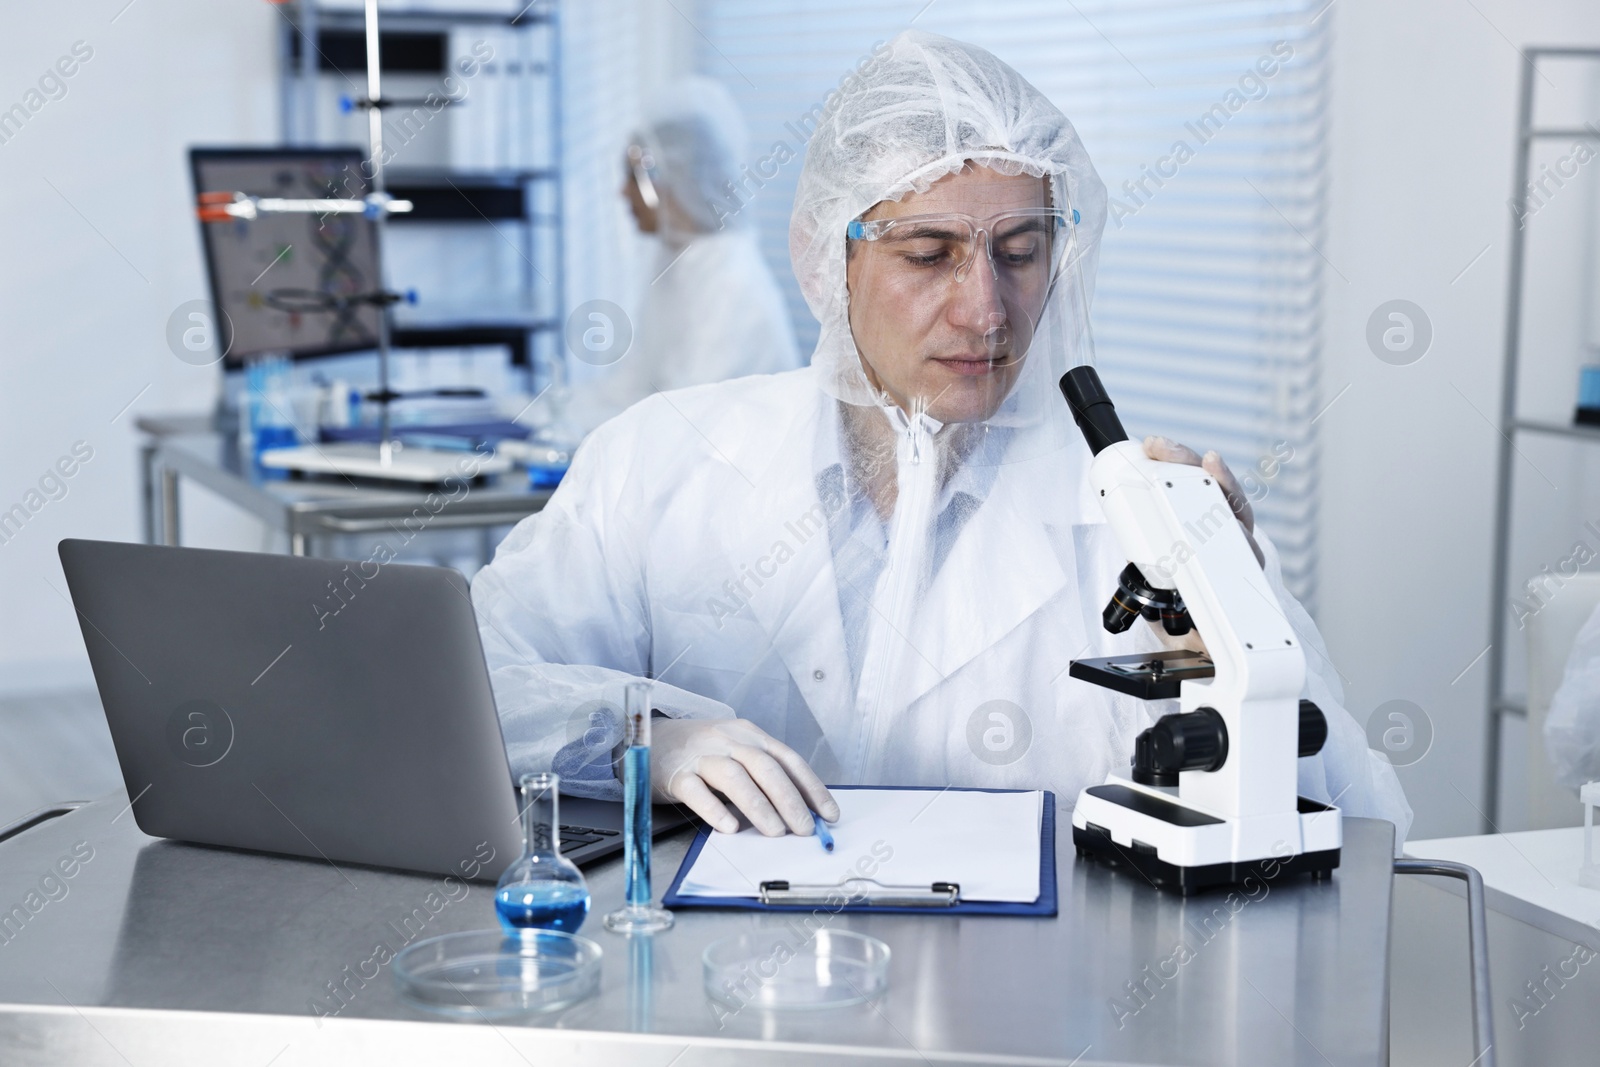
(1023, 247)
(641, 164)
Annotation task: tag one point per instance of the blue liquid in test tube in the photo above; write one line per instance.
(636, 815)
(638, 915)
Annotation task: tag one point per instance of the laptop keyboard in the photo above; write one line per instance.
(575, 837)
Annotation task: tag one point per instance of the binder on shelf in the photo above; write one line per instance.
(471, 118)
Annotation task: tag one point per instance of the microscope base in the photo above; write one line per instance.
(1096, 844)
(1183, 849)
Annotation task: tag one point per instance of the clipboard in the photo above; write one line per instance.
(941, 898)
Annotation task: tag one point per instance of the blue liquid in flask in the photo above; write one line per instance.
(542, 905)
(543, 890)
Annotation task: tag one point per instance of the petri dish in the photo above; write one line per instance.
(494, 973)
(774, 969)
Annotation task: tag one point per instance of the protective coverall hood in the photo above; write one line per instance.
(924, 109)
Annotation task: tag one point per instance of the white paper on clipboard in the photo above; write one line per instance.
(988, 843)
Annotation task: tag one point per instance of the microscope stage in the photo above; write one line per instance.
(1146, 675)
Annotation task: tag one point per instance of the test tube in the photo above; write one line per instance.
(638, 915)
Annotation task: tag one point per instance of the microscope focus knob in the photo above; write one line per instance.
(1198, 741)
(1313, 728)
(1193, 741)
(1145, 771)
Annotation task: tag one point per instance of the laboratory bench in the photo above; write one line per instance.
(153, 951)
(307, 511)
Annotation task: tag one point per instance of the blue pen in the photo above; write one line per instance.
(822, 832)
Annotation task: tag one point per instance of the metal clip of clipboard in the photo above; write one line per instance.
(862, 891)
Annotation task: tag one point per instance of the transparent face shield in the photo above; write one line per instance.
(950, 311)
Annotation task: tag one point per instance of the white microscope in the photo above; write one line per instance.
(1231, 750)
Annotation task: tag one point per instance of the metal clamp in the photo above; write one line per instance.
(1478, 930)
(862, 891)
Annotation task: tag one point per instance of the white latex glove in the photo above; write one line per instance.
(760, 775)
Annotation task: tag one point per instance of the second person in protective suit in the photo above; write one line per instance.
(712, 309)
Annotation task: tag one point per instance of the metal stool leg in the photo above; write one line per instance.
(1478, 929)
(169, 506)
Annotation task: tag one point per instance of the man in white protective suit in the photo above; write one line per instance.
(712, 309)
(873, 570)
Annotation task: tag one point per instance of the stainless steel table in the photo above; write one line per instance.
(311, 508)
(155, 952)
(155, 428)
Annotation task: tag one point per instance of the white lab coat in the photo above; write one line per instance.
(685, 544)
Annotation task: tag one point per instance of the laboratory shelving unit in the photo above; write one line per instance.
(525, 200)
(1511, 424)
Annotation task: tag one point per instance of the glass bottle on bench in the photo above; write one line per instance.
(542, 890)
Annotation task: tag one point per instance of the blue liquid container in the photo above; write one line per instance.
(638, 915)
(542, 477)
(275, 437)
(636, 816)
(269, 410)
(544, 905)
(543, 889)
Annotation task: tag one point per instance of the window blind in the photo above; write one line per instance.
(1208, 306)
(604, 52)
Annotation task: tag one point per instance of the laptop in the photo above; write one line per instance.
(322, 708)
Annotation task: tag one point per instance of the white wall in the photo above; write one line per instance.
(100, 246)
(1424, 103)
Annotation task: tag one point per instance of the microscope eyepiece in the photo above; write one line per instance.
(1092, 409)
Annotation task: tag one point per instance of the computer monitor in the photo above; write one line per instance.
(247, 262)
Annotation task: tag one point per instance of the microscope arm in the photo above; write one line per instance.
(1175, 525)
